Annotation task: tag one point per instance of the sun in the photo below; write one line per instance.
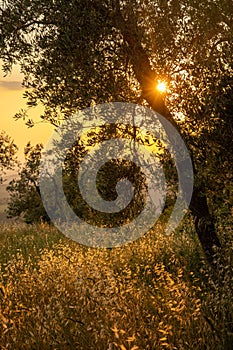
(161, 86)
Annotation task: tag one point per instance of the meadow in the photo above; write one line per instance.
(155, 293)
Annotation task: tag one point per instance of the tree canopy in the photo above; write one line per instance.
(72, 53)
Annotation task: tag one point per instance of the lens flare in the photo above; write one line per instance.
(161, 86)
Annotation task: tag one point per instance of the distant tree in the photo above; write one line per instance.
(25, 200)
(107, 178)
(8, 151)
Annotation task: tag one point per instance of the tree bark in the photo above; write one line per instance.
(204, 223)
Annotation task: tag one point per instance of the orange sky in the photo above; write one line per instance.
(11, 101)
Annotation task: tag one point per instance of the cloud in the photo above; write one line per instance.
(11, 85)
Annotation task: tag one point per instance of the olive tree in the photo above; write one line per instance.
(76, 52)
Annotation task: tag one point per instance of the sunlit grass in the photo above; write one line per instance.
(156, 293)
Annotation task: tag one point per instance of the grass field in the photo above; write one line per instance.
(156, 293)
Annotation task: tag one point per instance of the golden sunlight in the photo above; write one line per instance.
(161, 86)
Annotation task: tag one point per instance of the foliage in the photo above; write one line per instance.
(74, 53)
(156, 293)
(109, 175)
(78, 52)
(25, 200)
(213, 144)
(7, 153)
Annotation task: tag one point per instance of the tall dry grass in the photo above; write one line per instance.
(156, 293)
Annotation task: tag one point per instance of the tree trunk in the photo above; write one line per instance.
(204, 223)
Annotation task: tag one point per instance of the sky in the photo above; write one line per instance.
(11, 101)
